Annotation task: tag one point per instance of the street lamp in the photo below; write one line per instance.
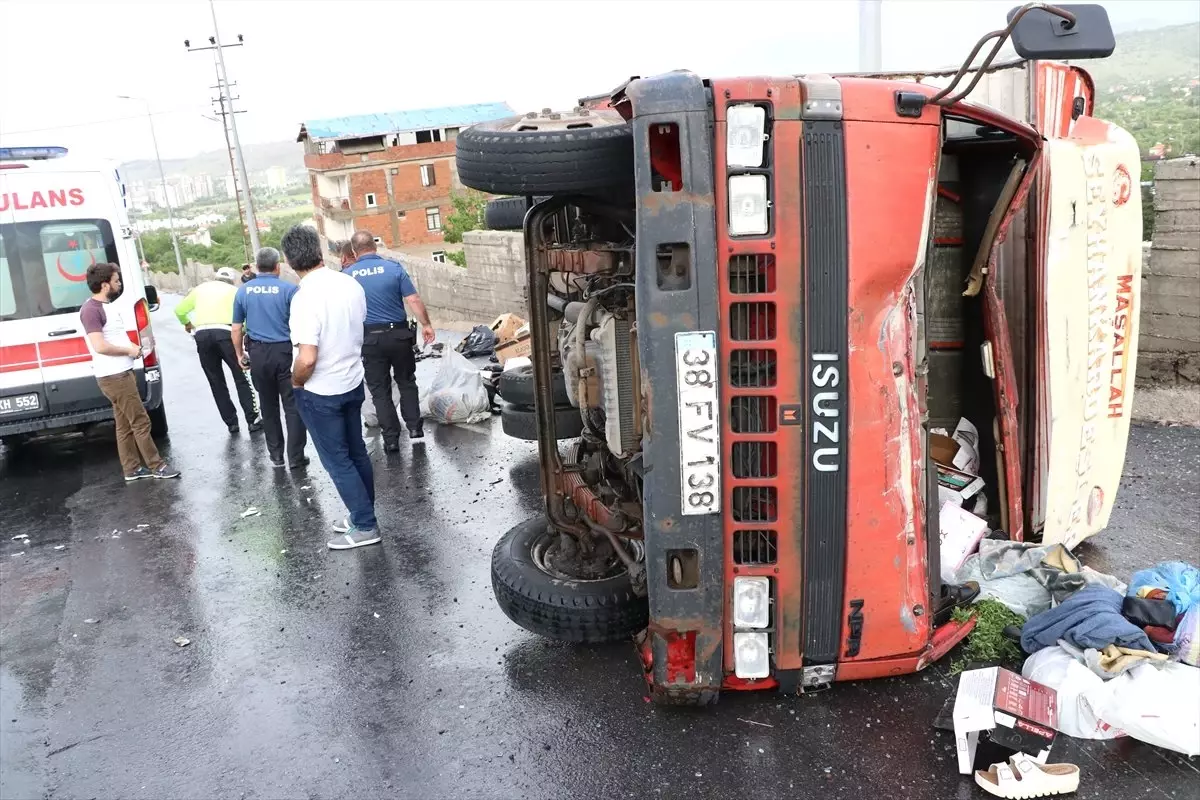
(162, 176)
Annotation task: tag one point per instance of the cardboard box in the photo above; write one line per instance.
(959, 450)
(518, 347)
(960, 532)
(956, 486)
(505, 327)
(998, 706)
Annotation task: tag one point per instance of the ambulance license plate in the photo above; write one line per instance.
(19, 403)
(699, 423)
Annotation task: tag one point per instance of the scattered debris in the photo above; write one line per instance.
(181, 641)
(143, 525)
(498, 480)
(20, 536)
(60, 547)
(305, 488)
(752, 722)
(281, 552)
(19, 554)
(252, 511)
(90, 621)
(376, 615)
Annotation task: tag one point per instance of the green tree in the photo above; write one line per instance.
(467, 215)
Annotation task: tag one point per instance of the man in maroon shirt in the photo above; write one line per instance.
(112, 363)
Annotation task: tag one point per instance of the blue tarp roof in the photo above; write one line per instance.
(399, 121)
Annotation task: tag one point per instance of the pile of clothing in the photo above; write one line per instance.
(1124, 663)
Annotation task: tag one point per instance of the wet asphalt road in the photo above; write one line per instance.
(389, 671)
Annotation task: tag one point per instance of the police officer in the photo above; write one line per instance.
(261, 308)
(388, 339)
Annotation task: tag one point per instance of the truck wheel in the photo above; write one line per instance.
(520, 422)
(506, 213)
(569, 153)
(516, 386)
(594, 603)
(158, 421)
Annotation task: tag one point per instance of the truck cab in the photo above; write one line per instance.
(765, 296)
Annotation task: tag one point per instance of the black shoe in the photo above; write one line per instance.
(301, 464)
(953, 597)
(416, 433)
(256, 426)
(234, 429)
(391, 446)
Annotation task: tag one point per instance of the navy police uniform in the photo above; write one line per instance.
(388, 342)
(262, 306)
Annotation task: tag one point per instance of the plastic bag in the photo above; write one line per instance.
(1158, 705)
(481, 341)
(369, 414)
(456, 396)
(1180, 581)
(1187, 638)
(1058, 669)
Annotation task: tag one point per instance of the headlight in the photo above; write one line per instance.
(746, 128)
(747, 205)
(751, 655)
(751, 602)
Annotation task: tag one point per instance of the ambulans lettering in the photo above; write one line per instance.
(252, 289)
(826, 410)
(51, 198)
(366, 272)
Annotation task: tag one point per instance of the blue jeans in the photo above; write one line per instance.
(335, 424)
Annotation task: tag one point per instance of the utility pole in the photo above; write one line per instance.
(162, 177)
(870, 35)
(227, 106)
(220, 100)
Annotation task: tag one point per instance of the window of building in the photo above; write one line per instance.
(433, 219)
(370, 199)
(399, 215)
(451, 134)
(439, 256)
(425, 137)
(377, 240)
(428, 175)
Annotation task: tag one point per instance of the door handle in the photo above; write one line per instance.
(62, 332)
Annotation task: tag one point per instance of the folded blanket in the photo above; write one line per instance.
(1090, 618)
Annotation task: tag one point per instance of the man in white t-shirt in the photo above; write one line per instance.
(113, 357)
(326, 323)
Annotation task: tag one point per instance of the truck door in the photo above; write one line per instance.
(1088, 354)
(22, 392)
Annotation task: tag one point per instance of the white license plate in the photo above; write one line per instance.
(699, 423)
(18, 403)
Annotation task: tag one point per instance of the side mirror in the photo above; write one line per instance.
(152, 297)
(1042, 34)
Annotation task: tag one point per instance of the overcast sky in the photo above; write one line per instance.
(64, 63)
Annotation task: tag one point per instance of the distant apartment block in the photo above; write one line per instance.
(276, 179)
(391, 174)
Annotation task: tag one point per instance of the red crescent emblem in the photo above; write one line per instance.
(1122, 186)
(67, 275)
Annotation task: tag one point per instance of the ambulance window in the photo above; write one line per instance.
(8, 301)
(68, 249)
(43, 268)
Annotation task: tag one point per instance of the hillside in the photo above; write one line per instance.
(288, 155)
(1151, 87)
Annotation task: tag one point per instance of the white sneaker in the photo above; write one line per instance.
(1022, 777)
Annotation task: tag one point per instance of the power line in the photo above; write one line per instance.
(187, 110)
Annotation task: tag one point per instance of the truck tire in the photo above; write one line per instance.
(516, 386)
(569, 153)
(520, 422)
(506, 213)
(581, 611)
(158, 421)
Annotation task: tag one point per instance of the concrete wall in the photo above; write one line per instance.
(492, 283)
(1169, 348)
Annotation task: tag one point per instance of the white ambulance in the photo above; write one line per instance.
(58, 216)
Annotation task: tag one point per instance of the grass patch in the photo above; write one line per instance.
(987, 642)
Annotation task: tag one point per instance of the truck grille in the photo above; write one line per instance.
(754, 547)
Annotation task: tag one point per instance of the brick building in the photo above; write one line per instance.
(391, 174)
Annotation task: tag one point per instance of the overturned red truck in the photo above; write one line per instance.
(751, 301)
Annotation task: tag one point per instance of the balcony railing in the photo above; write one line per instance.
(338, 203)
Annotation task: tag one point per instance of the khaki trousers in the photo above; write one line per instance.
(134, 444)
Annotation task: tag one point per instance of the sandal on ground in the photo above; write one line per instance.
(1022, 777)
